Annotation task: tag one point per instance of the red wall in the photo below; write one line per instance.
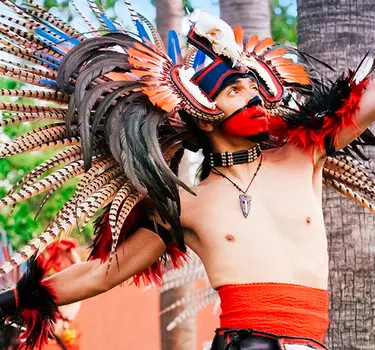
(129, 315)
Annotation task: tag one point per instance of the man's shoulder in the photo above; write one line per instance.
(191, 203)
(288, 152)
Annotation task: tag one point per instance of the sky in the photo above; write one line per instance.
(148, 10)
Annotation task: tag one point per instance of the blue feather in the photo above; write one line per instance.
(52, 65)
(44, 35)
(52, 58)
(174, 49)
(55, 40)
(53, 47)
(48, 82)
(108, 23)
(142, 31)
(199, 59)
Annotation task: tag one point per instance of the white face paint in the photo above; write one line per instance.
(218, 33)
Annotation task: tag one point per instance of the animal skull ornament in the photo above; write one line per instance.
(219, 34)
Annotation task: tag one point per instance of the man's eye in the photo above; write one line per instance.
(232, 92)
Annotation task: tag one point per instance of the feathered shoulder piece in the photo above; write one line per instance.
(329, 108)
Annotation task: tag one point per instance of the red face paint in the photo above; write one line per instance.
(245, 122)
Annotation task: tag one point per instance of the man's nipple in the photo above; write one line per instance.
(230, 238)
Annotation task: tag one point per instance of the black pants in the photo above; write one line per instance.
(247, 339)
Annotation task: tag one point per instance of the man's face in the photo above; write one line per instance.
(237, 95)
(244, 113)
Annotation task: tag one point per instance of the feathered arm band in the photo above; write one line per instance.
(331, 108)
(35, 301)
(137, 218)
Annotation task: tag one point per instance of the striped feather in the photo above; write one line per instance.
(94, 31)
(48, 18)
(94, 8)
(70, 155)
(99, 182)
(18, 107)
(52, 96)
(350, 181)
(21, 117)
(101, 165)
(86, 210)
(33, 57)
(127, 205)
(201, 298)
(189, 57)
(53, 180)
(349, 193)
(157, 38)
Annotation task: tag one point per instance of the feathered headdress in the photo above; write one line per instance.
(112, 104)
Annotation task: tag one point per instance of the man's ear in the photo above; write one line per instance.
(205, 126)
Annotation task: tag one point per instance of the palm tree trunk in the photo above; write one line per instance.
(168, 16)
(340, 33)
(252, 15)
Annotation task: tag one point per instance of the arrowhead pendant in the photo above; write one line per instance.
(245, 203)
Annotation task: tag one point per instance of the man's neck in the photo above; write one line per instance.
(237, 172)
(231, 145)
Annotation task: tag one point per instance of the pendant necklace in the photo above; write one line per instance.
(245, 199)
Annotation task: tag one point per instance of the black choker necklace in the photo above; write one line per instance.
(226, 159)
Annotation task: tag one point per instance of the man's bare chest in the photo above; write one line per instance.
(284, 203)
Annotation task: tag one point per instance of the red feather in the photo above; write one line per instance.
(308, 139)
(154, 274)
(101, 247)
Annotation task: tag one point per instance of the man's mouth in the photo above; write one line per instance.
(255, 112)
(247, 121)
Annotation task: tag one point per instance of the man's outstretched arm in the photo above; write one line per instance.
(363, 118)
(88, 279)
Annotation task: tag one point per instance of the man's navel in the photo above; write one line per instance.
(308, 220)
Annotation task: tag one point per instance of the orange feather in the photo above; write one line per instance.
(263, 45)
(170, 105)
(282, 62)
(146, 50)
(153, 91)
(239, 35)
(143, 65)
(142, 73)
(279, 52)
(119, 76)
(140, 55)
(252, 42)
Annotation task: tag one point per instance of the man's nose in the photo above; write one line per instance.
(255, 101)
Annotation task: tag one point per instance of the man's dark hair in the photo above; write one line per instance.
(198, 140)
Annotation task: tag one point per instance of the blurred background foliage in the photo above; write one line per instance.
(24, 221)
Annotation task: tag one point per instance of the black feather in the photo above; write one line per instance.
(36, 298)
(79, 54)
(123, 87)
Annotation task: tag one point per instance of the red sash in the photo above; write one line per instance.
(283, 309)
